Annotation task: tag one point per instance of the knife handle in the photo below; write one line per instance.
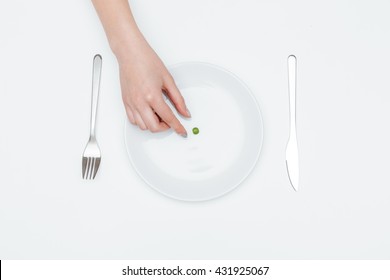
(292, 90)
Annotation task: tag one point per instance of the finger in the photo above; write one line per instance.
(175, 96)
(166, 114)
(152, 121)
(130, 115)
(139, 121)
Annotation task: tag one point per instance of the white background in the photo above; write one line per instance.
(342, 208)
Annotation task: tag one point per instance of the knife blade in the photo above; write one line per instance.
(292, 156)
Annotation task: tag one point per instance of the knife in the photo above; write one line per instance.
(292, 160)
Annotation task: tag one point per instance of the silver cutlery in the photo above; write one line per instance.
(92, 155)
(292, 159)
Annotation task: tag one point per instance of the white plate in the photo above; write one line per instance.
(213, 162)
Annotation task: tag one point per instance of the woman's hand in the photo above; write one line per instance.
(144, 80)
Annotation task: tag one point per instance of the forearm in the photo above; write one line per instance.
(121, 29)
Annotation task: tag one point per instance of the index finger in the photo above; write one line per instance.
(166, 114)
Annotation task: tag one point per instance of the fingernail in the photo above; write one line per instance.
(188, 113)
(184, 135)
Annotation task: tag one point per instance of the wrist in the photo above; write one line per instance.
(124, 47)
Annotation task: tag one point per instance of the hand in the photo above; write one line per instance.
(144, 79)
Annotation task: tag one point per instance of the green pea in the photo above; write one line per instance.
(195, 130)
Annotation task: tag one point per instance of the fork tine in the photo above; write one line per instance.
(92, 168)
(88, 169)
(84, 166)
(97, 164)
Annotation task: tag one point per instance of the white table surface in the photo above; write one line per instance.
(342, 209)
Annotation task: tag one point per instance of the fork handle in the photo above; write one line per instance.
(96, 76)
(292, 86)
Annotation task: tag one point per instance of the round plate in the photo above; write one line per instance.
(217, 159)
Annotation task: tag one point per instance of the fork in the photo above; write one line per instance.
(92, 155)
